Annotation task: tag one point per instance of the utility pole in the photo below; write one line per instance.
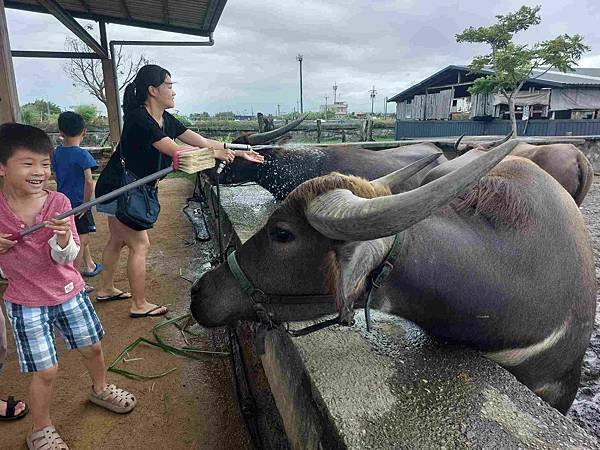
(372, 93)
(335, 86)
(278, 113)
(326, 107)
(300, 58)
(385, 107)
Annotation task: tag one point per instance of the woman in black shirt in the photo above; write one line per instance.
(147, 145)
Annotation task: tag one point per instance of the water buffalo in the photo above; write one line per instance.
(505, 266)
(565, 162)
(286, 167)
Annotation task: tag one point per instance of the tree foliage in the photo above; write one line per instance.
(88, 112)
(183, 119)
(514, 63)
(39, 111)
(227, 115)
(199, 116)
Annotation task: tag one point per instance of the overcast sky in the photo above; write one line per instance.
(389, 44)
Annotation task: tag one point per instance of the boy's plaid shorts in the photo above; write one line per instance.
(33, 329)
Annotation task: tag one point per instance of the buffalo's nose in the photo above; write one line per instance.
(202, 286)
(196, 287)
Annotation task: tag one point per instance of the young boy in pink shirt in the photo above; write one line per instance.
(45, 291)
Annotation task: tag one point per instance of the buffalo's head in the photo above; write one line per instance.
(243, 171)
(310, 244)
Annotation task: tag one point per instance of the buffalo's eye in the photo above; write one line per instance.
(281, 235)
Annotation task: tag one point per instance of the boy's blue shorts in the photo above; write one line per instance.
(33, 329)
(85, 224)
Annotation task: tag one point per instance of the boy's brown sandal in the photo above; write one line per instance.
(114, 399)
(46, 439)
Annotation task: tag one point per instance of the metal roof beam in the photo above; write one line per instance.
(67, 20)
(61, 55)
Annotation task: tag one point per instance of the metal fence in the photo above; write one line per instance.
(439, 128)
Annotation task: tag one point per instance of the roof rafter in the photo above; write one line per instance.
(165, 5)
(85, 5)
(126, 8)
(67, 20)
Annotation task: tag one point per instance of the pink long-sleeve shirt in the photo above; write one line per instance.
(34, 277)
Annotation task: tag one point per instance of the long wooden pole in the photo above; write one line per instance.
(9, 100)
(110, 90)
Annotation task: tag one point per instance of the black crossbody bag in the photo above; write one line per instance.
(138, 208)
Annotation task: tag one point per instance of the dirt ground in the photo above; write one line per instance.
(191, 408)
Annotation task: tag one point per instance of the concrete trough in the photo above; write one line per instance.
(395, 387)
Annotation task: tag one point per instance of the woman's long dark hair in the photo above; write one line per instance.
(136, 92)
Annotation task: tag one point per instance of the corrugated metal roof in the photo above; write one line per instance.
(197, 17)
(579, 77)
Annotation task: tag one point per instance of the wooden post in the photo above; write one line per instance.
(9, 100)
(111, 101)
(318, 131)
(261, 122)
(343, 135)
(110, 91)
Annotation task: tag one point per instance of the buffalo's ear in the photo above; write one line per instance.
(356, 261)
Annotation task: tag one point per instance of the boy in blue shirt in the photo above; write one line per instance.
(73, 170)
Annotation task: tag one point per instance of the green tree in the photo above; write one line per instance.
(199, 116)
(183, 119)
(88, 112)
(38, 111)
(227, 115)
(514, 63)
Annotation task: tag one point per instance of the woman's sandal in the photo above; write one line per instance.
(114, 399)
(46, 439)
(11, 406)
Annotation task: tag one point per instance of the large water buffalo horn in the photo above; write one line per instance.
(395, 179)
(498, 142)
(458, 142)
(261, 138)
(341, 215)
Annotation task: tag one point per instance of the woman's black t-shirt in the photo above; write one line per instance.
(140, 132)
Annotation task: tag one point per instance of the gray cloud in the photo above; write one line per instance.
(356, 44)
